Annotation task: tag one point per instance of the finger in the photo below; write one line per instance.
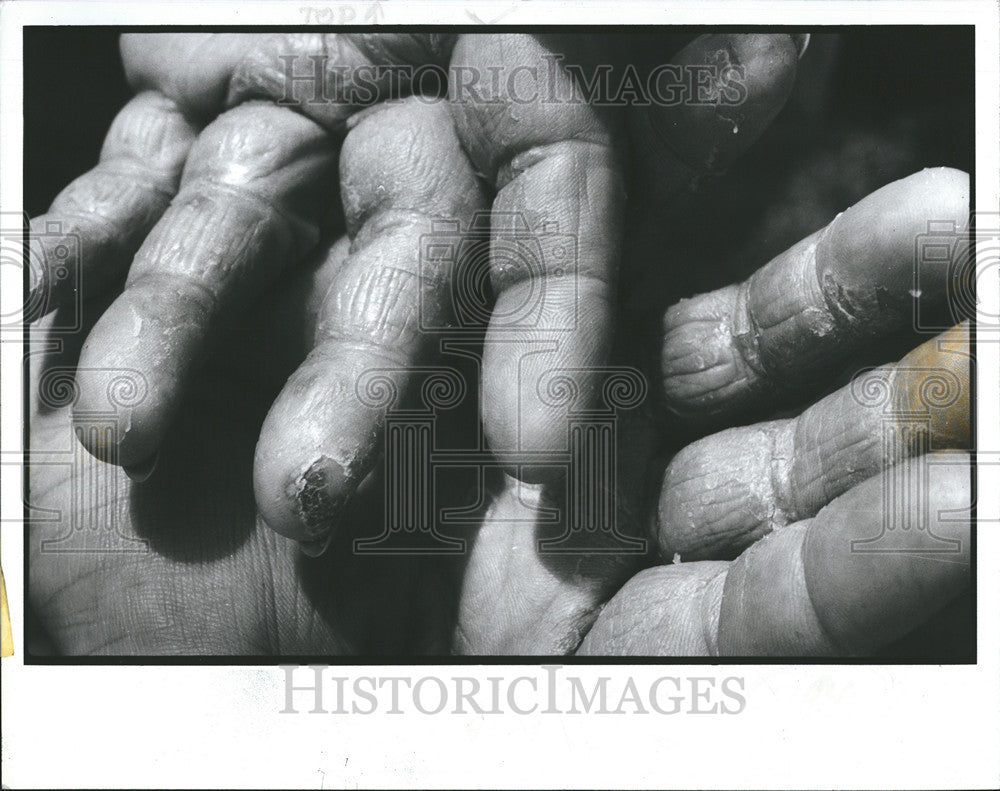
(192, 69)
(712, 102)
(757, 343)
(517, 599)
(842, 584)
(723, 492)
(88, 237)
(807, 590)
(402, 168)
(662, 611)
(326, 76)
(556, 236)
(250, 202)
(738, 84)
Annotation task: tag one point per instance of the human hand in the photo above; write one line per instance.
(375, 151)
(547, 605)
(183, 562)
(558, 150)
(483, 544)
(849, 524)
(774, 533)
(211, 215)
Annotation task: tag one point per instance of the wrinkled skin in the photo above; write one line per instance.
(216, 579)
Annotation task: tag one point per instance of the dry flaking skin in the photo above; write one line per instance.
(517, 599)
(206, 107)
(726, 491)
(402, 169)
(728, 352)
(249, 204)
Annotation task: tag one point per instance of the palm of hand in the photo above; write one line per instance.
(183, 563)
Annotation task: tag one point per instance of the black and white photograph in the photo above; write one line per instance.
(501, 360)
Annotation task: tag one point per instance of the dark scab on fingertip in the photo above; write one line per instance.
(316, 503)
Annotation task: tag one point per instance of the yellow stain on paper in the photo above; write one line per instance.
(8, 637)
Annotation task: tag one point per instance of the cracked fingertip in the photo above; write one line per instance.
(317, 496)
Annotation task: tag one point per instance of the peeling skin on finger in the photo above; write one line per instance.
(401, 169)
(107, 212)
(247, 207)
(726, 491)
(734, 351)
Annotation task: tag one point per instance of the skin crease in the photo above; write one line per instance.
(165, 583)
(566, 595)
(211, 576)
(694, 607)
(219, 70)
(188, 80)
(399, 172)
(115, 205)
(731, 348)
(801, 591)
(789, 469)
(555, 166)
(249, 204)
(185, 81)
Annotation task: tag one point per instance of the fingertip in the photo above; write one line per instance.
(180, 66)
(131, 370)
(309, 451)
(718, 495)
(113, 428)
(702, 360)
(301, 501)
(516, 431)
(752, 76)
(530, 399)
